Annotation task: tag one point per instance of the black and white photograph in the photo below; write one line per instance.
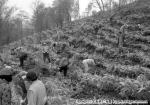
(74, 52)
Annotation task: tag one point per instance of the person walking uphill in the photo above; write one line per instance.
(36, 94)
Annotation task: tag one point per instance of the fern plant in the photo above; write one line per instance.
(128, 89)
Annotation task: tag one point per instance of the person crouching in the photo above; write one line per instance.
(88, 63)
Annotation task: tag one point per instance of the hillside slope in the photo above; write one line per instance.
(97, 39)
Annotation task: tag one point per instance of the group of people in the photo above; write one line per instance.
(63, 63)
(33, 90)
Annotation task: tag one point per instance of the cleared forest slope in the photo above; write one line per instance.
(119, 74)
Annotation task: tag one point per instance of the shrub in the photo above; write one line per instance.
(90, 47)
(55, 101)
(136, 59)
(50, 88)
(127, 71)
(129, 89)
(100, 50)
(146, 33)
(108, 83)
(146, 72)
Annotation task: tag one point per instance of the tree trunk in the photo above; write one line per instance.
(99, 5)
(103, 5)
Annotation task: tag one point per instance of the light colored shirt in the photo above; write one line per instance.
(45, 49)
(37, 93)
(87, 63)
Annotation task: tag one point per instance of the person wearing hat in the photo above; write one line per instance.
(36, 94)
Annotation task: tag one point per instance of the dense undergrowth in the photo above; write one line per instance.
(120, 73)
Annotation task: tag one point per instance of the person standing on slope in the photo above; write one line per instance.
(22, 55)
(45, 53)
(64, 66)
(122, 35)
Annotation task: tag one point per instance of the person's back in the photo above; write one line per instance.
(88, 63)
(39, 91)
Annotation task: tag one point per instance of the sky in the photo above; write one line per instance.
(27, 5)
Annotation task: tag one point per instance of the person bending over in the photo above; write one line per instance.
(88, 63)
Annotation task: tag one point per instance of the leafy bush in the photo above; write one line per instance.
(55, 101)
(135, 58)
(100, 50)
(129, 89)
(111, 53)
(90, 47)
(64, 37)
(127, 71)
(50, 88)
(146, 33)
(146, 72)
(108, 83)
